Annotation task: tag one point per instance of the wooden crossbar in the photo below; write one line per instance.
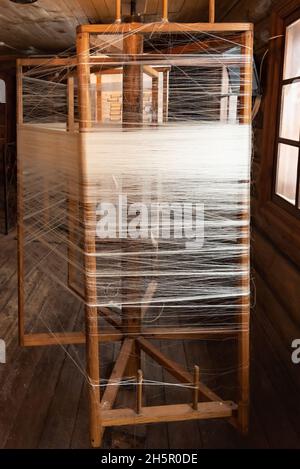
(166, 413)
(188, 333)
(109, 335)
(147, 28)
(226, 42)
(68, 338)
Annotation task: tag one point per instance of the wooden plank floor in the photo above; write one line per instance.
(43, 394)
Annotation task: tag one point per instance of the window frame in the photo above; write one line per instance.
(272, 215)
(293, 209)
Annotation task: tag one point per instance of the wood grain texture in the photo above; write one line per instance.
(64, 338)
(166, 27)
(49, 26)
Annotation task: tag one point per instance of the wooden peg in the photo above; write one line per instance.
(139, 392)
(196, 387)
(118, 11)
(70, 99)
(212, 11)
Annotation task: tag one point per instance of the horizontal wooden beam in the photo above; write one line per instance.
(154, 60)
(113, 384)
(147, 28)
(68, 338)
(188, 333)
(166, 413)
(118, 70)
(110, 335)
(48, 61)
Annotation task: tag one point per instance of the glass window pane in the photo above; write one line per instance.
(2, 92)
(292, 51)
(286, 177)
(290, 112)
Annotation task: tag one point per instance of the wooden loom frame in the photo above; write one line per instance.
(135, 340)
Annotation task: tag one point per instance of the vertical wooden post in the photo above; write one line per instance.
(132, 82)
(70, 100)
(196, 387)
(118, 11)
(98, 98)
(212, 11)
(165, 95)
(165, 11)
(91, 313)
(246, 78)
(132, 118)
(155, 100)
(139, 392)
(20, 210)
(243, 339)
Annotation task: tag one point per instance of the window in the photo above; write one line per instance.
(2, 92)
(276, 211)
(2, 111)
(287, 168)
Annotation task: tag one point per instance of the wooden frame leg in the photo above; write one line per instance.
(93, 370)
(243, 340)
(132, 118)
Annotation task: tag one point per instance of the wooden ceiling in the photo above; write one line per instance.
(49, 25)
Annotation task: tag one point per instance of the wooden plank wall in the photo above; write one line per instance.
(276, 275)
(49, 26)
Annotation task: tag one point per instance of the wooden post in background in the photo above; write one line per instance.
(132, 118)
(132, 82)
(165, 13)
(89, 221)
(118, 11)
(212, 11)
(165, 95)
(155, 84)
(243, 338)
(196, 387)
(98, 103)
